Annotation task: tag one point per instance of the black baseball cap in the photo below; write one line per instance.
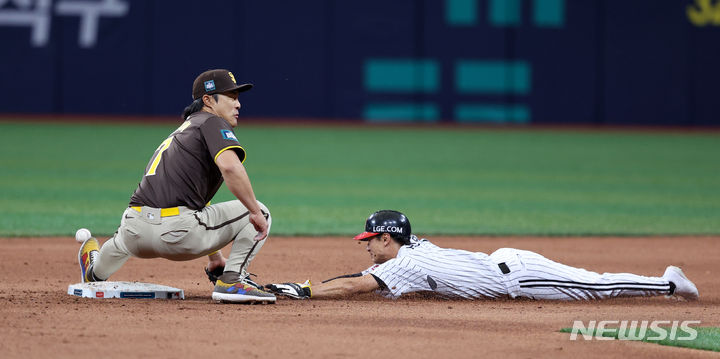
(386, 221)
(216, 81)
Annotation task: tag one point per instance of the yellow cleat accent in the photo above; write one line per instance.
(88, 253)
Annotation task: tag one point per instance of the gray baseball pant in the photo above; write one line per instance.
(189, 234)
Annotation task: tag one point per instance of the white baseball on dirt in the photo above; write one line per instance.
(82, 235)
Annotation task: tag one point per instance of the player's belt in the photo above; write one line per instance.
(164, 212)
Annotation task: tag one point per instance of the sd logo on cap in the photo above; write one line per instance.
(216, 81)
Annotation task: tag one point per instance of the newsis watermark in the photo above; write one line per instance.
(635, 330)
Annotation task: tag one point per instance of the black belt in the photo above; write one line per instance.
(504, 268)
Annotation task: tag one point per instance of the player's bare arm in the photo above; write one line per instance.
(343, 287)
(238, 182)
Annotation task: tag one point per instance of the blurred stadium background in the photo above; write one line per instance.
(439, 108)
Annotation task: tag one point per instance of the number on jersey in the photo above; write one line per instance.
(164, 146)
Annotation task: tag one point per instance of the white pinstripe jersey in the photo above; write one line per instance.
(424, 267)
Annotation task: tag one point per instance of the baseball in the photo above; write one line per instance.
(82, 235)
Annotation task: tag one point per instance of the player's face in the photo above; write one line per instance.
(378, 250)
(227, 107)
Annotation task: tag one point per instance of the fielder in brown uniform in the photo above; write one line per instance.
(169, 215)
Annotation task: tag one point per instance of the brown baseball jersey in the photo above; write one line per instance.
(182, 171)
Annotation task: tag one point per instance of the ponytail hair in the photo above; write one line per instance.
(195, 106)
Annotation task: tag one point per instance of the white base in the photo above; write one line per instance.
(125, 290)
(241, 298)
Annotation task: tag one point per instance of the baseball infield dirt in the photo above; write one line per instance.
(39, 320)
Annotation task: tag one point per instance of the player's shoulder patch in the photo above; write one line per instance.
(228, 135)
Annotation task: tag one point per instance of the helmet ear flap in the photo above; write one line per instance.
(402, 240)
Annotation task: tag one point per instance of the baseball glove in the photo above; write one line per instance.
(214, 274)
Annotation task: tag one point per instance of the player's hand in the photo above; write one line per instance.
(292, 290)
(260, 223)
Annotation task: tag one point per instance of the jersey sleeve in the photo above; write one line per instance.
(399, 276)
(220, 137)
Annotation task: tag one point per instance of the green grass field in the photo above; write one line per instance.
(319, 181)
(708, 338)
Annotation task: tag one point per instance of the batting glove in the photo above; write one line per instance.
(292, 290)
